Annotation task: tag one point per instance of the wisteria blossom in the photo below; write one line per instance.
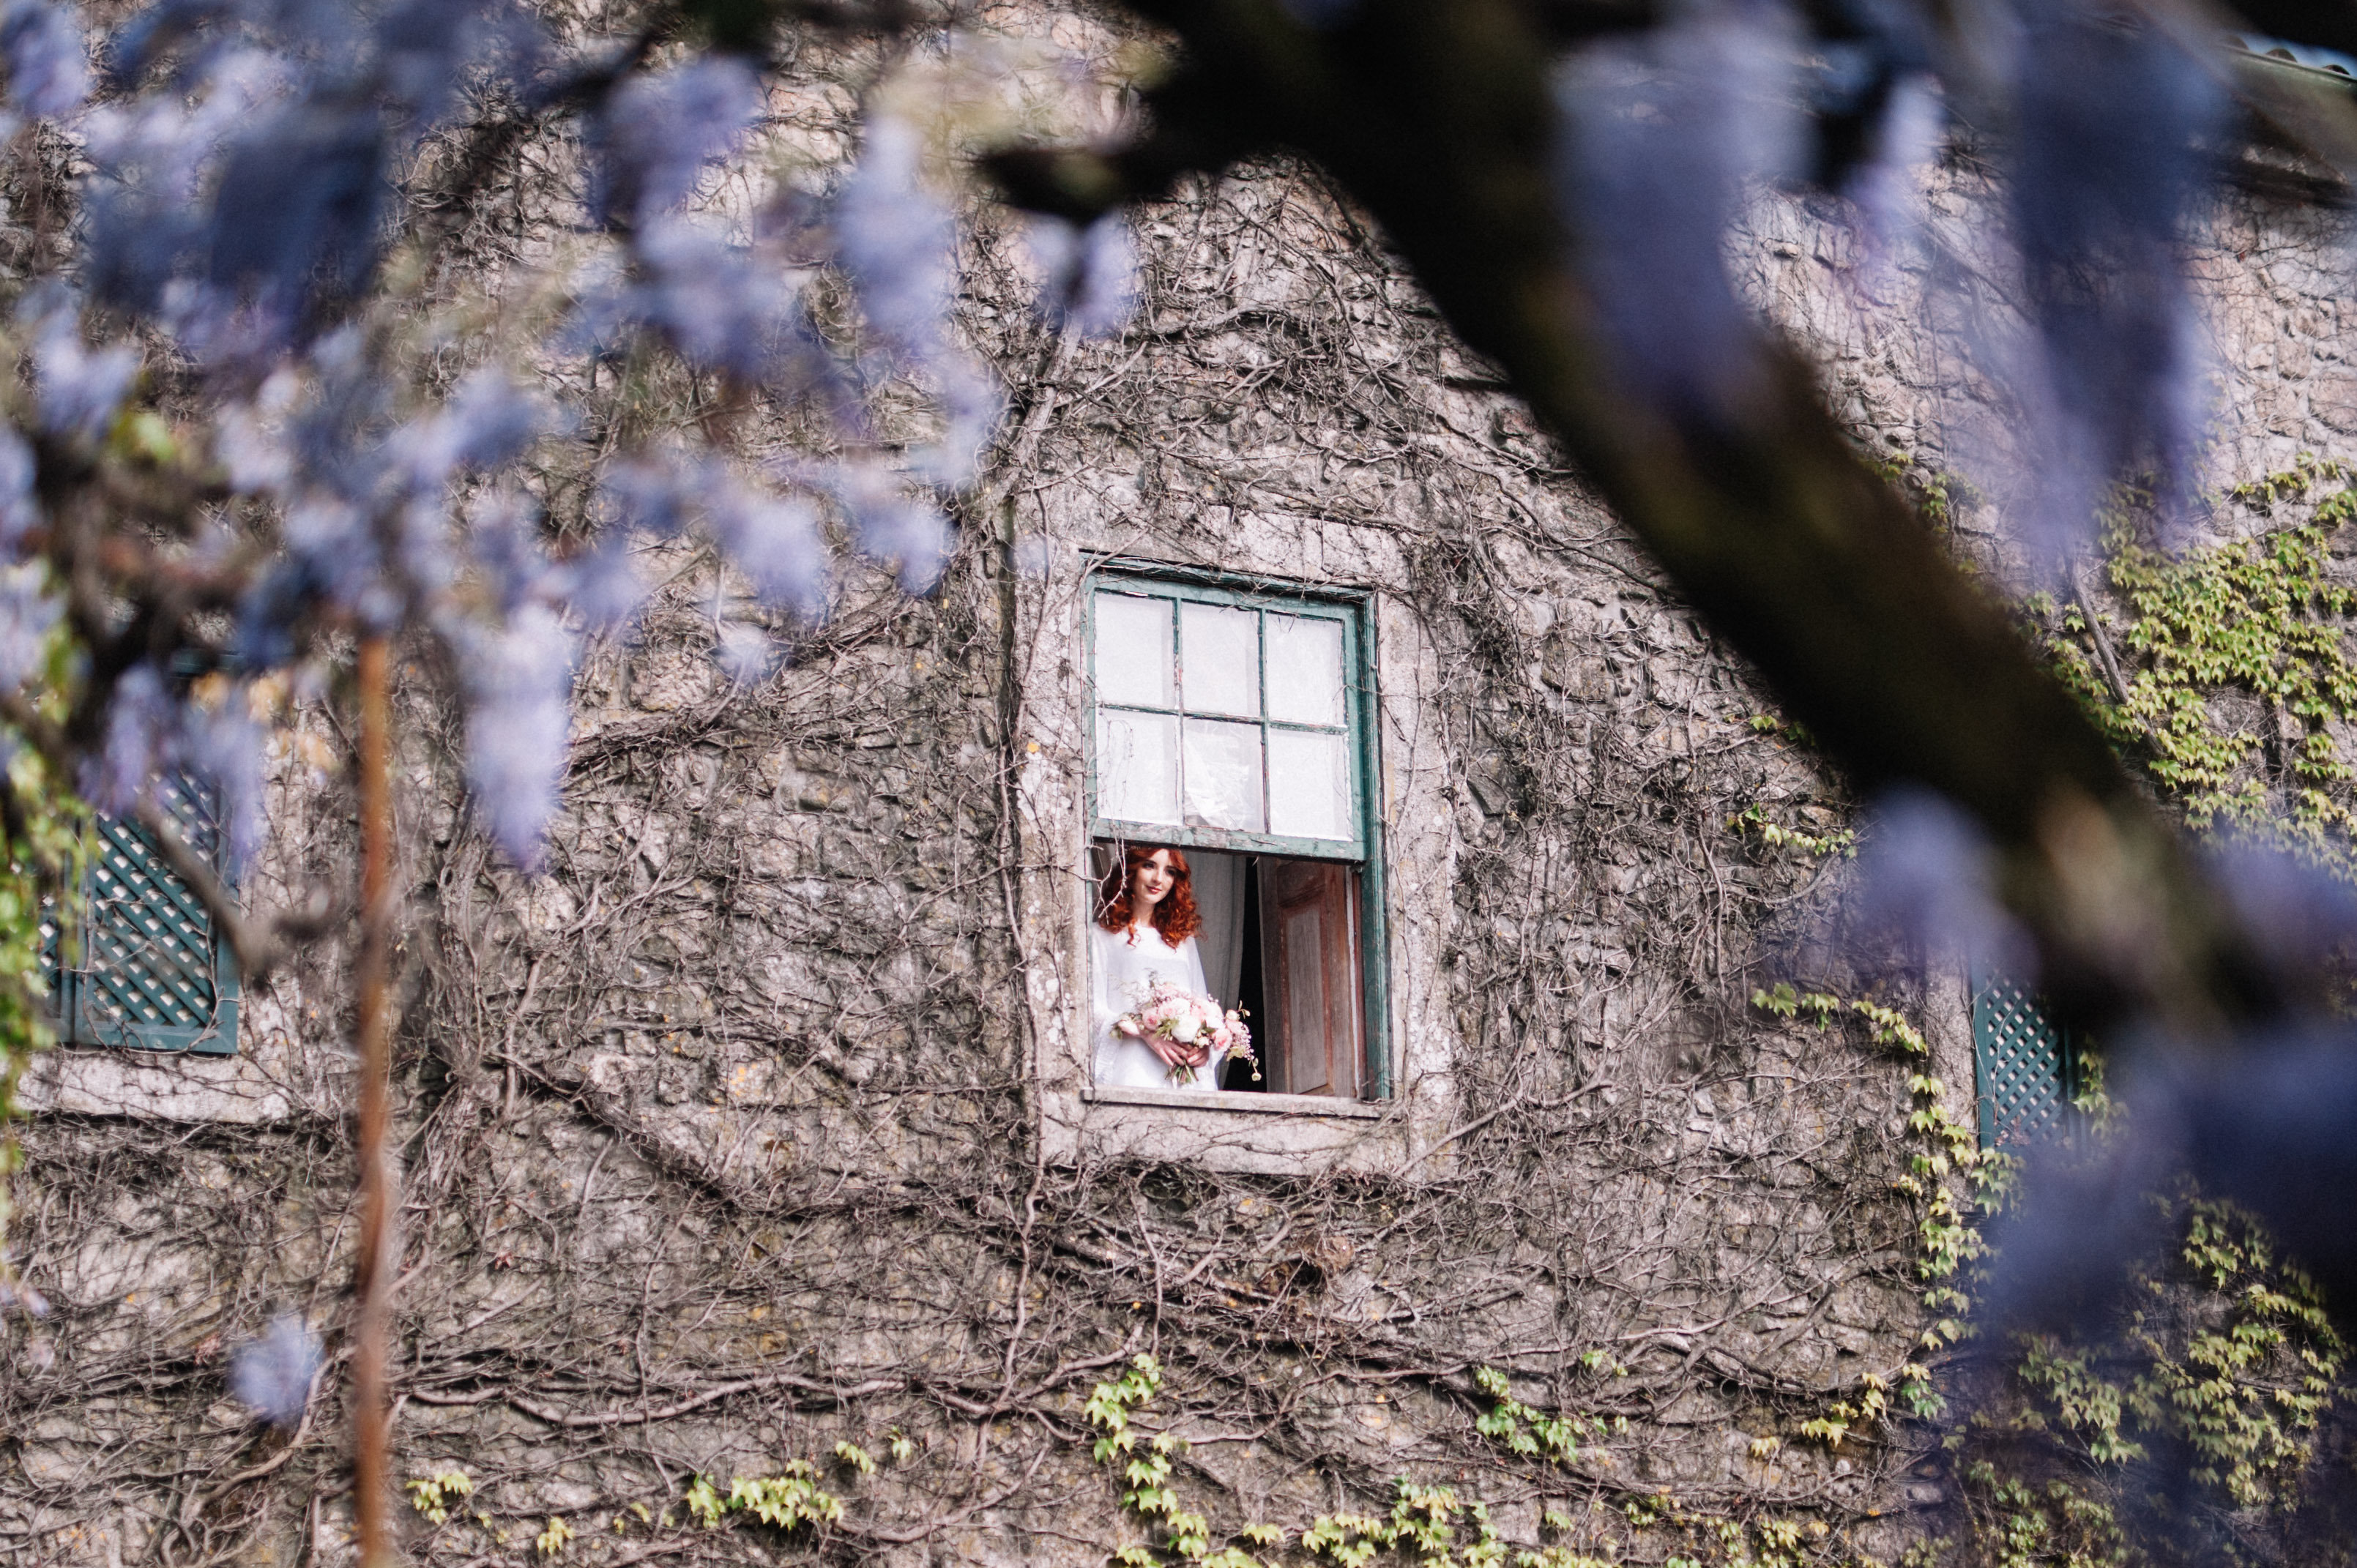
(1660, 134)
(1088, 275)
(272, 1376)
(235, 228)
(29, 611)
(240, 158)
(49, 62)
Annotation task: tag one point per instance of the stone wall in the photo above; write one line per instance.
(1920, 333)
(756, 1124)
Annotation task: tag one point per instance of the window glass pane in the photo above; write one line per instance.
(1222, 775)
(1133, 651)
(1305, 669)
(1219, 659)
(1308, 784)
(1137, 767)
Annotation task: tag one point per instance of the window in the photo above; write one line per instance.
(2028, 1068)
(1234, 721)
(154, 973)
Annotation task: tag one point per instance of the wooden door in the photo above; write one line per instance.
(1310, 931)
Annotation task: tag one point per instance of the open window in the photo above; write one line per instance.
(149, 969)
(1235, 723)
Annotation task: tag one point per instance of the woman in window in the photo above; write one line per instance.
(1145, 931)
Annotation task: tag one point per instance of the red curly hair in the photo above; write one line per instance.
(1175, 917)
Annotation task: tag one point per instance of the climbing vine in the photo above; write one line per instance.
(1944, 1155)
(1432, 1526)
(2241, 1383)
(2229, 678)
(2223, 1357)
(42, 824)
(2225, 1352)
(2224, 673)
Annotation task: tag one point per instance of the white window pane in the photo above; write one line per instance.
(1308, 785)
(1133, 651)
(1222, 775)
(1219, 651)
(1137, 767)
(1305, 669)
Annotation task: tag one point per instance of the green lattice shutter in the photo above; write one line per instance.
(2029, 1069)
(155, 974)
(52, 934)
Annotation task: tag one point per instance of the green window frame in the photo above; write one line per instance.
(2030, 1070)
(154, 973)
(1360, 844)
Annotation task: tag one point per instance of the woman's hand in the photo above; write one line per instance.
(1173, 1054)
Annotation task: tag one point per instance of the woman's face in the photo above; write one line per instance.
(1151, 882)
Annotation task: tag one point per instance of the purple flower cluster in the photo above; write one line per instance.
(745, 653)
(722, 307)
(735, 306)
(1088, 276)
(80, 389)
(222, 746)
(21, 510)
(519, 681)
(1927, 880)
(773, 540)
(48, 59)
(28, 612)
(655, 136)
(1660, 133)
(238, 202)
(242, 201)
(602, 584)
(150, 731)
(892, 525)
(2105, 129)
(2110, 150)
(896, 243)
(139, 725)
(272, 1376)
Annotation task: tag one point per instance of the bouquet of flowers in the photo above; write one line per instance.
(1166, 1011)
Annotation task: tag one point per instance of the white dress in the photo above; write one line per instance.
(1119, 971)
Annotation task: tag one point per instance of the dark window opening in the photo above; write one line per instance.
(1251, 994)
(1281, 939)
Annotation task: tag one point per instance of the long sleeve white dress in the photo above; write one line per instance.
(1120, 970)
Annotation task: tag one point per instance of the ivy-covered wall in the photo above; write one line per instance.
(738, 1224)
(2199, 1418)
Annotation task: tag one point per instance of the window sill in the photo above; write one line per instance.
(1322, 1106)
(187, 1086)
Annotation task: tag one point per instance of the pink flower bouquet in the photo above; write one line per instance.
(1164, 1012)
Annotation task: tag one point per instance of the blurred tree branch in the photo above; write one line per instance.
(1439, 119)
(2327, 24)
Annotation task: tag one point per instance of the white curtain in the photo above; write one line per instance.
(1220, 899)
